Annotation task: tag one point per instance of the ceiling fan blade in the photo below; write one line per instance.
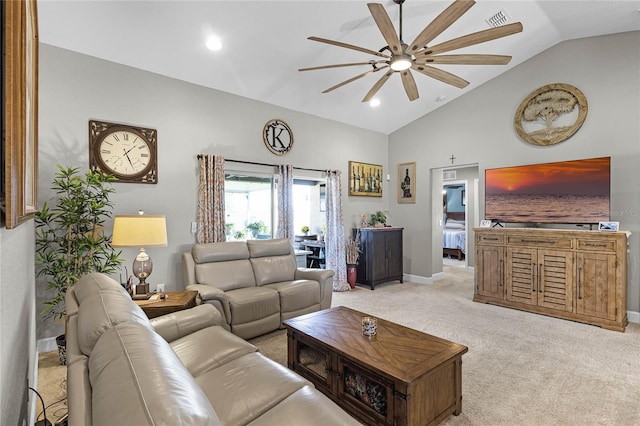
(349, 46)
(352, 79)
(323, 67)
(472, 39)
(444, 76)
(441, 23)
(371, 93)
(386, 27)
(466, 59)
(409, 85)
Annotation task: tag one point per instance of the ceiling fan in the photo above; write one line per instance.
(417, 56)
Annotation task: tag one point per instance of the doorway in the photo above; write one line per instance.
(455, 202)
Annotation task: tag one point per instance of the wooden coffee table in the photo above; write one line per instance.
(174, 301)
(399, 377)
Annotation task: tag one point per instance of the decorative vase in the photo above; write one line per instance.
(352, 275)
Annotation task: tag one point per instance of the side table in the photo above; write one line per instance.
(174, 301)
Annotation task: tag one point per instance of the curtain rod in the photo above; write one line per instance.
(268, 165)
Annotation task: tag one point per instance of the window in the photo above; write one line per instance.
(251, 206)
(248, 206)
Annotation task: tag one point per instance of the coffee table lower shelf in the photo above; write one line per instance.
(400, 377)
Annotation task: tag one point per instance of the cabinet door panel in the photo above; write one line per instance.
(394, 253)
(521, 275)
(555, 279)
(378, 256)
(489, 277)
(596, 285)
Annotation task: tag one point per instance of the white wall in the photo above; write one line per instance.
(190, 119)
(17, 322)
(478, 128)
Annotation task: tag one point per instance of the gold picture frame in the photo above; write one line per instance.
(20, 74)
(365, 179)
(407, 183)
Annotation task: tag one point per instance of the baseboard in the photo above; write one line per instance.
(423, 280)
(633, 316)
(46, 345)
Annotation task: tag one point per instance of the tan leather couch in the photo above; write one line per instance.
(178, 369)
(255, 284)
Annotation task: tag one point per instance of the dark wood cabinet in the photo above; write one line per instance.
(380, 255)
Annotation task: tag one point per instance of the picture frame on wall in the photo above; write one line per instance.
(407, 183)
(20, 168)
(365, 179)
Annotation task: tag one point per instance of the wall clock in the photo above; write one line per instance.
(551, 114)
(129, 153)
(278, 137)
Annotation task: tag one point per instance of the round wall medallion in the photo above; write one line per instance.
(278, 137)
(551, 114)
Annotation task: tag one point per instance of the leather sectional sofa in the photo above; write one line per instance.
(182, 368)
(256, 284)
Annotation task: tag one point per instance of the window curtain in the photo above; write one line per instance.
(210, 218)
(285, 202)
(334, 240)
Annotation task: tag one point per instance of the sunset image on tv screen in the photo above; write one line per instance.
(562, 192)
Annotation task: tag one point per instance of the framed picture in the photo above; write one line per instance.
(20, 168)
(608, 226)
(365, 179)
(407, 183)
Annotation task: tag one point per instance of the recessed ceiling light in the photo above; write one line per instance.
(374, 102)
(214, 43)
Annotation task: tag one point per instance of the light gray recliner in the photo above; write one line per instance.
(255, 284)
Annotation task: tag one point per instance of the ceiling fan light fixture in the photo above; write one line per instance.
(401, 62)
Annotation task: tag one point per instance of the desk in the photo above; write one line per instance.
(317, 258)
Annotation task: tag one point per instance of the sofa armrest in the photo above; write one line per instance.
(188, 269)
(182, 323)
(208, 293)
(322, 276)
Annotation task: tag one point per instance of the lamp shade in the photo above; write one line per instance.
(139, 231)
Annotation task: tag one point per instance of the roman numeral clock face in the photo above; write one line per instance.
(126, 152)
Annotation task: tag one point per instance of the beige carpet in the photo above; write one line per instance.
(52, 386)
(521, 368)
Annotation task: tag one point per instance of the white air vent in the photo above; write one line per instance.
(448, 174)
(499, 19)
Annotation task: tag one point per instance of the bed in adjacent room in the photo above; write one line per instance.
(454, 235)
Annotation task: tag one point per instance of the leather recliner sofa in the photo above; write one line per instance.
(255, 284)
(178, 369)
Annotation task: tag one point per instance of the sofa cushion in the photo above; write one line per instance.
(104, 304)
(245, 388)
(319, 410)
(227, 275)
(296, 295)
(219, 252)
(209, 348)
(250, 304)
(136, 379)
(266, 248)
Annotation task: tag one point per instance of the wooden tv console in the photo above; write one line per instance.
(575, 275)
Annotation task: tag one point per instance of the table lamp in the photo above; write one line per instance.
(140, 231)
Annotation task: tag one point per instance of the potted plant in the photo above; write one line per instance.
(257, 228)
(378, 219)
(70, 239)
(305, 230)
(352, 253)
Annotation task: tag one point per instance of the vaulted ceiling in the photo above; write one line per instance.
(265, 43)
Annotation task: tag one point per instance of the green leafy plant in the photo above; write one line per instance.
(257, 228)
(70, 239)
(377, 217)
(305, 230)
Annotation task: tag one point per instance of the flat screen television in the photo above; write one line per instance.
(565, 192)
